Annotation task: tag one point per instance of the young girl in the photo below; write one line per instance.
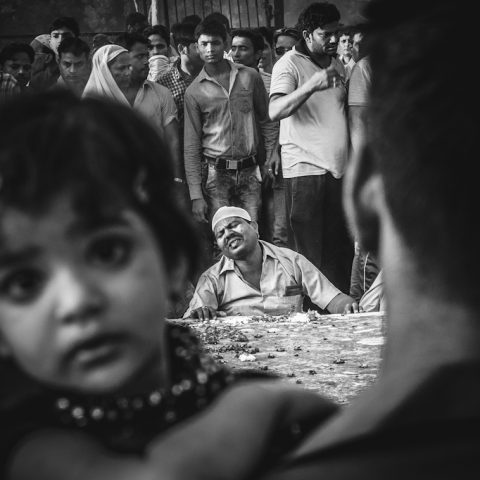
(93, 246)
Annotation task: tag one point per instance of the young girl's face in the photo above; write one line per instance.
(81, 301)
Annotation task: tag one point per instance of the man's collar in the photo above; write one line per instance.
(203, 75)
(301, 47)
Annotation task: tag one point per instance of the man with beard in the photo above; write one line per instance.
(308, 95)
(74, 64)
(254, 277)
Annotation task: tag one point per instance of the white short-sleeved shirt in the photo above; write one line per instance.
(360, 80)
(314, 139)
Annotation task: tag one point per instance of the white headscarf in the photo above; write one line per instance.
(101, 81)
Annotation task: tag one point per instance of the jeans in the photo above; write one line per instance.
(317, 226)
(273, 219)
(239, 188)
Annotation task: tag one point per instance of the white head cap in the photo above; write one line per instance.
(226, 212)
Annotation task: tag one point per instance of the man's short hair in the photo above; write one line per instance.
(75, 46)
(423, 141)
(212, 28)
(218, 17)
(254, 36)
(161, 30)
(317, 15)
(10, 50)
(292, 32)
(135, 17)
(267, 33)
(193, 19)
(65, 22)
(128, 40)
(183, 33)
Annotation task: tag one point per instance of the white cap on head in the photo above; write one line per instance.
(226, 212)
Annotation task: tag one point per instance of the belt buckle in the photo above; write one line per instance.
(232, 164)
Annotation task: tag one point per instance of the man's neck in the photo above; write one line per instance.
(189, 67)
(217, 69)
(252, 265)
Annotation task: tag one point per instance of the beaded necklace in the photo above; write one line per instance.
(128, 423)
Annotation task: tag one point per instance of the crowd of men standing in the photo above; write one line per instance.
(252, 118)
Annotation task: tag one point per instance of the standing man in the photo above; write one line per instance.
(308, 96)
(344, 52)
(222, 108)
(74, 64)
(152, 100)
(247, 49)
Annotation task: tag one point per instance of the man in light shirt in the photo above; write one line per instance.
(254, 277)
(308, 95)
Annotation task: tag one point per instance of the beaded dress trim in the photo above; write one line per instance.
(128, 423)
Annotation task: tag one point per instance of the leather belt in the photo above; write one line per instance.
(229, 164)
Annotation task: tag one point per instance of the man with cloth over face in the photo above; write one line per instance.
(254, 277)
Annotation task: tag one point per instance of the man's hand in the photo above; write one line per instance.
(328, 78)
(199, 210)
(343, 304)
(352, 307)
(206, 313)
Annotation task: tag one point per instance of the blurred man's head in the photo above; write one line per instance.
(247, 47)
(211, 40)
(74, 63)
(345, 42)
(184, 37)
(16, 59)
(136, 22)
(266, 60)
(319, 24)
(137, 46)
(62, 28)
(158, 38)
(284, 39)
(221, 18)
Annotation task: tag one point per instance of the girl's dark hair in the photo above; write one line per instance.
(101, 153)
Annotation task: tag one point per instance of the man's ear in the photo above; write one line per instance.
(182, 49)
(363, 199)
(178, 276)
(306, 35)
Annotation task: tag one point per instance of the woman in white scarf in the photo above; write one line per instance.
(110, 75)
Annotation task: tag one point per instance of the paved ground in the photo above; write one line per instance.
(336, 355)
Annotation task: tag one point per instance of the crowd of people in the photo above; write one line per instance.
(254, 118)
(96, 242)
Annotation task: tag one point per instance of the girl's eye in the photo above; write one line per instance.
(110, 251)
(22, 285)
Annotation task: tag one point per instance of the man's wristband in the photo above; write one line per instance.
(178, 180)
